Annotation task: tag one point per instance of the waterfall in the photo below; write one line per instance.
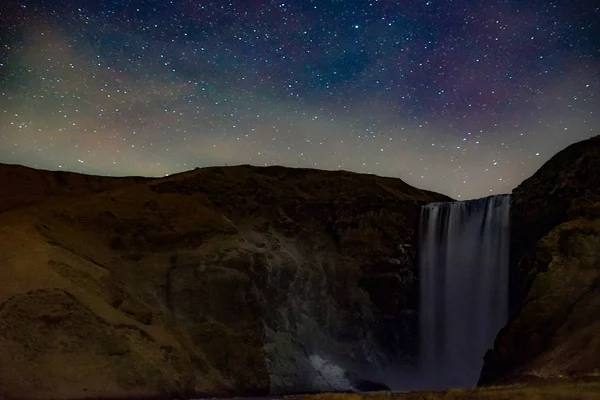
(463, 266)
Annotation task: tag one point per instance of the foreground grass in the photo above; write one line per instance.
(555, 391)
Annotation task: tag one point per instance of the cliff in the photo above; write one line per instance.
(218, 281)
(555, 331)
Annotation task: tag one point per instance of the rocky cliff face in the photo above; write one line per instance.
(235, 280)
(555, 331)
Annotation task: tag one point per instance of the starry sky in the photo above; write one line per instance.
(461, 97)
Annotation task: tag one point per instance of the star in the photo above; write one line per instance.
(432, 93)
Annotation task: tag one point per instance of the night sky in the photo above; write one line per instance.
(462, 97)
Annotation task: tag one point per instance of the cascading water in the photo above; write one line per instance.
(463, 266)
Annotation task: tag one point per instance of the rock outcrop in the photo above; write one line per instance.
(555, 331)
(219, 281)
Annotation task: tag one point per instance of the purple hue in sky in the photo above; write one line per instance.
(464, 98)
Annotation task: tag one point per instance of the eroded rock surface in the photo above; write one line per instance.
(556, 258)
(219, 281)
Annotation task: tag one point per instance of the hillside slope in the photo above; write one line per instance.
(219, 281)
(21, 186)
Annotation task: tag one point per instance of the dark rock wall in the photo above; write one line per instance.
(564, 188)
(335, 266)
(554, 267)
(220, 281)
